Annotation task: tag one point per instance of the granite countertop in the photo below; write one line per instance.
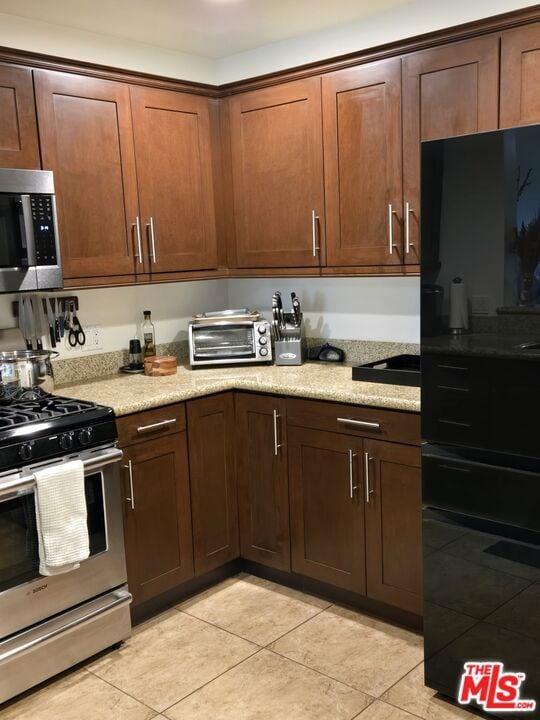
(132, 393)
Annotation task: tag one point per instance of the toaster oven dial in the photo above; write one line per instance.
(66, 441)
(85, 436)
(262, 341)
(263, 351)
(262, 329)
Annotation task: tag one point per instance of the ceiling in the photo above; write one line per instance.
(211, 28)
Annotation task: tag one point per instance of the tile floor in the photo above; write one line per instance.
(248, 649)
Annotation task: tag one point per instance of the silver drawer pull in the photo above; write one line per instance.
(360, 423)
(367, 460)
(137, 226)
(155, 426)
(391, 245)
(352, 487)
(131, 498)
(314, 227)
(277, 444)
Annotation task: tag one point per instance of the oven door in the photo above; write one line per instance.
(26, 597)
(222, 343)
(17, 250)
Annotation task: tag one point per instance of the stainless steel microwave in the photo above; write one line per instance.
(29, 247)
(227, 337)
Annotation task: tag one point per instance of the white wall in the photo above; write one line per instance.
(414, 18)
(368, 308)
(41, 37)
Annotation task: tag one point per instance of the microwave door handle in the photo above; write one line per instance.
(27, 230)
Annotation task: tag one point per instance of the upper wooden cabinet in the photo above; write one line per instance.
(363, 165)
(174, 173)
(18, 129)
(449, 90)
(277, 166)
(86, 139)
(520, 76)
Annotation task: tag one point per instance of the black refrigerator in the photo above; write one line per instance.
(481, 419)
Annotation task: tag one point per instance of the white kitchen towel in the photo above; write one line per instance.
(61, 518)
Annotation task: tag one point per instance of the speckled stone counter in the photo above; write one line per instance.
(133, 393)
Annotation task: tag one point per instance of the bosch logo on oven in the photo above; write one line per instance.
(39, 588)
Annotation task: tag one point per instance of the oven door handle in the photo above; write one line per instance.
(23, 484)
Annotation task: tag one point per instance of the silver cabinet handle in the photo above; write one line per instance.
(277, 445)
(367, 460)
(150, 225)
(137, 226)
(155, 426)
(314, 225)
(360, 423)
(391, 213)
(408, 243)
(131, 498)
(352, 487)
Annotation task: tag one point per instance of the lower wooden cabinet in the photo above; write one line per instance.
(393, 495)
(213, 481)
(157, 517)
(263, 494)
(327, 508)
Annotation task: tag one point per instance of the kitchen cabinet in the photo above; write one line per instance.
(327, 507)
(157, 517)
(263, 492)
(86, 139)
(213, 481)
(448, 90)
(18, 128)
(393, 497)
(174, 179)
(520, 76)
(363, 164)
(277, 169)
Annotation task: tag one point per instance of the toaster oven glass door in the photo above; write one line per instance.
(223, 342)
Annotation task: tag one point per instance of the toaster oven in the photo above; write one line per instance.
(227, 337)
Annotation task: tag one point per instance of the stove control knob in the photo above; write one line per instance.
(26, 451)
(85, 436)
(66, 441)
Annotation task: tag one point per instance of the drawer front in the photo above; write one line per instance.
(151, 423)
(390, 425)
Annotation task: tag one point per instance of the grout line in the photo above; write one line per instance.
(218, 627)
(123, 692)
(296, 627)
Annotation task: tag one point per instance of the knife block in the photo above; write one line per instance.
(291, 349)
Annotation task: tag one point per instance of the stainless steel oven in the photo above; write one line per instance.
(227, 337)
(49, 623)
(29, 248)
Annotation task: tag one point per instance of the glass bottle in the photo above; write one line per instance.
(149, 335)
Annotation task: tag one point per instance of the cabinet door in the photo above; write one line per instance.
(520, 76)
(174, 173)
(363, 164)
(447, 91)
(263, 491)
(213, 482)
(393, 497)
(18, 128)
(157, 519)
(327, 507)
(277, 160)
(86, 139)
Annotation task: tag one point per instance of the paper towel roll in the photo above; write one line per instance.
(459, 311)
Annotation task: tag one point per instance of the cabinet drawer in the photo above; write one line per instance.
(390, 425)
(151, 423)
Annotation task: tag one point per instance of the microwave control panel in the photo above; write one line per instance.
(43, 223)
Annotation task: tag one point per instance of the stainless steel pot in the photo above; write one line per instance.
(27, 369)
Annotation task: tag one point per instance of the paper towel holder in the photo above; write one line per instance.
(459, 319)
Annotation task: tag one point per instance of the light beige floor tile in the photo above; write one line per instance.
(381, 711)
(79, 696)
(269, 687)
(170, 659)
(412, 695)
(255, 609)
(370, 655)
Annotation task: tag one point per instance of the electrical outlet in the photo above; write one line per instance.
(94, 338)
(480, 305)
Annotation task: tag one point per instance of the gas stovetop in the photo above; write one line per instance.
(35, 425)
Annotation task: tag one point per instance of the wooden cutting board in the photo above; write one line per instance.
(159, 365)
